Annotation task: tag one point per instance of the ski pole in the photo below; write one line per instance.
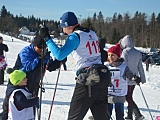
(40, 101)
(5, 57)
(42, 90)
(6, 66)
(145, 101)
(43, 71)
(54, 91)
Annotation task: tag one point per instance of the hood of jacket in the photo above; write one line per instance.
(11, 88)
(126, 42)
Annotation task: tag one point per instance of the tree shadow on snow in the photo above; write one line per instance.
(146, 109)
(151, 110)
(59, 84)
(54, 88)
(55, 102)
(1, 99)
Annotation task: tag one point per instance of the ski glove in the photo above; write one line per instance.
(9, 70)
(44, 32)
(136, 79)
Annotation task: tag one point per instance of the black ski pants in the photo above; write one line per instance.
(81, 102)
(4, 113)
(1, 76)
(129, 96)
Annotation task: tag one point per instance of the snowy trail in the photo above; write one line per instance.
(66, 85)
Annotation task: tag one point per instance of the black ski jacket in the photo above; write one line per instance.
(3, 47)
(20, 99)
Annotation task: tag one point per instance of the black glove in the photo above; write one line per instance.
(46, 52)
(64, 60)
(136, 79)
(9, 70)
(44, 32)
(46, 55)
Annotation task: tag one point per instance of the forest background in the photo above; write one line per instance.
(144, 29)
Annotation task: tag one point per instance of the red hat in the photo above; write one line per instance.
(116, 50)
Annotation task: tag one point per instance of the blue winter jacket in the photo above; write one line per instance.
(30, 62)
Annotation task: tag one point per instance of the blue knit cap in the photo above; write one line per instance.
(68, 19)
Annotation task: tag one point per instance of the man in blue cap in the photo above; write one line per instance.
(91, 89)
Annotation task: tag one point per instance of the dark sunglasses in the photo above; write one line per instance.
(41, 46)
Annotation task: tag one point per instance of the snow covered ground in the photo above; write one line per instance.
(66, 86)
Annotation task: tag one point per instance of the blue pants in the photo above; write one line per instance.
(119, 110)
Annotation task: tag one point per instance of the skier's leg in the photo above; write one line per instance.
(119, 110)
(99, 107)
(131, 103)
(4, 113)
(1, 76)
(136, 111)
(99, 110)
(110, 108)
(129, 113)
(80, 103)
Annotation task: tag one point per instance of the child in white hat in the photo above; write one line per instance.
(21, 101)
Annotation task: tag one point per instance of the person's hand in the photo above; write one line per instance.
(46, 55)
(44, 32)
(9, 70)
(142, 82)
(136, 79)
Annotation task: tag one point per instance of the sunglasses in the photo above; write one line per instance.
(41, 46)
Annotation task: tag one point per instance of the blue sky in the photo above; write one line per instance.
(53, 9)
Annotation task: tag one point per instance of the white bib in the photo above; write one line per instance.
(120, 85)
(88, 52)
(24, 114)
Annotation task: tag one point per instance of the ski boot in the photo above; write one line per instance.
(138, 115)
(129, 113)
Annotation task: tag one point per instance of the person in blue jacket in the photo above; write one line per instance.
(29, 60)
(84, 45)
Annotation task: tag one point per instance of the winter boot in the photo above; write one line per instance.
(138, 115)
(129, 113)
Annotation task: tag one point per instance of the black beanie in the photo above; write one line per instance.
(38, 41)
